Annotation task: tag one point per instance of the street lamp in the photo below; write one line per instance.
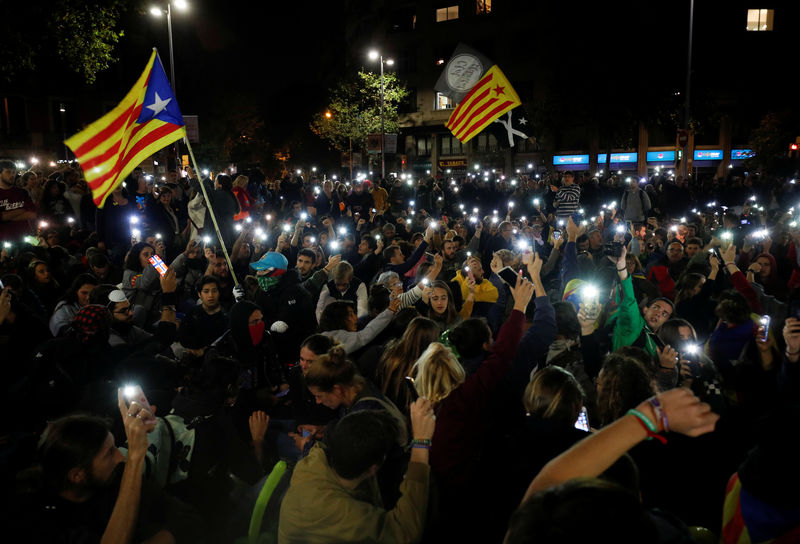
(375, 55)
(156, 11)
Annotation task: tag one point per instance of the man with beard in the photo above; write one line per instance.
(89, 492)
(123, 332)
(313, 281)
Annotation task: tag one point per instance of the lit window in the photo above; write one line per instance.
(443, 102)
(483, 7)
(446, 14)
(760, 19)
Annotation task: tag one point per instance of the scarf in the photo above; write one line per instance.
(558, 347)
(267, 282)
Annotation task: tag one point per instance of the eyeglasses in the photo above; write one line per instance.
(126, 310)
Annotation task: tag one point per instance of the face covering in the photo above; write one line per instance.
(256, 332)
(267, 282)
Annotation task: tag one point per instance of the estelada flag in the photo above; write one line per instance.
(147, 120)
(490, 98)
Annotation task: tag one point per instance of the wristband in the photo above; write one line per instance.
(643, 419)
(621, 269)
(650, 433)
(660, 413)
(426, 442)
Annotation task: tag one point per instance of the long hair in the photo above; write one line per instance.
(686, 284)
(71, 296)
(132, 259)
(553, 394)
(450, 314)
(400, 355)
(623, 383)
(437, 373)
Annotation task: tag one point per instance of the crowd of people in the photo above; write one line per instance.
(550, 358)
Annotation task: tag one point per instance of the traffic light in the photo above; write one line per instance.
(793, 150)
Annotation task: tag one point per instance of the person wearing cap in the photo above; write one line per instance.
(287, 307)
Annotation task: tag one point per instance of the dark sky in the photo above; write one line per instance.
(281, 57)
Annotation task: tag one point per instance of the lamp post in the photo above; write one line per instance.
(375, 55)
(181, 5)
(687, 103)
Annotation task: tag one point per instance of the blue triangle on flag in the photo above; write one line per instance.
(159, 100)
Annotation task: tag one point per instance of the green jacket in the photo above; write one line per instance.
(317, 508)
(630, 324)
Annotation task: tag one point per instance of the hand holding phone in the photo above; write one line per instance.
(508, 275)
(158, 264)
(137, 404)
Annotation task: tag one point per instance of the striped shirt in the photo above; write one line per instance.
(568, 200)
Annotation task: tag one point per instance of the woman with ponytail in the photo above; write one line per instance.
(335, 382)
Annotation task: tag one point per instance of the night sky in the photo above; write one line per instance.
(277, 57)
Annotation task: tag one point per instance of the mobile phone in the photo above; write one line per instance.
(306, 433)
(582, 422)
(508, 275)
(134, 393)
(429, 257)
(158, 264)
(282, 393)
(764, 325)
(412, 390)
(556, 234)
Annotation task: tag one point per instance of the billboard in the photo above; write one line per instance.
(618, 158)
(741, 154)
(570, 159)
(708, 154)
(660, 156)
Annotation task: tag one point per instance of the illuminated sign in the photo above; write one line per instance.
(741, 154)
(570, 159)
(708, 154)
(618, 157)
(660, 156)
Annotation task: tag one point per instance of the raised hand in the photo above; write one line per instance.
(522, 293)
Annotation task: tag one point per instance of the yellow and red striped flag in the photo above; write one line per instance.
(147, 120)
(491, 97)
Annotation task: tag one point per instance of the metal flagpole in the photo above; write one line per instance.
(211, 212)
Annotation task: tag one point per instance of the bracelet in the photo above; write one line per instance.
(420, 447)
(643, 418)
(170, 308)
(650, 434)
(421, 442)
(667, 367)
(621, 269)
(660, 413)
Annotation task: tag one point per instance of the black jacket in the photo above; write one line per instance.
(290, 303)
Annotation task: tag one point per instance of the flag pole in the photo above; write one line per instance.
(211, 212)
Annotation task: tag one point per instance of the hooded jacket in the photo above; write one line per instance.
(287, 301)
(318, 508)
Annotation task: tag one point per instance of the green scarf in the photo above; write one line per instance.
(267, 282)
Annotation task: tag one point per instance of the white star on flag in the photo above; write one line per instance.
(159, 105)
(523, 121)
